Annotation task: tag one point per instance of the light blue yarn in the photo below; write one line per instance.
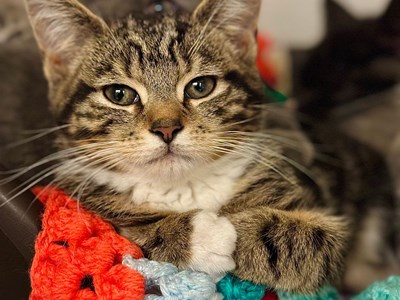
(174, 285)
(188, 285)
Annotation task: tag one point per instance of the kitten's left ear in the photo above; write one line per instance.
(391, 18)
(238, 20)
(62, 28)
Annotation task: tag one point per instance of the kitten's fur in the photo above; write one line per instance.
(230, 192)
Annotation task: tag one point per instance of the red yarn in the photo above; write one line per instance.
(270, 296)
(78, 255)
(266, 69)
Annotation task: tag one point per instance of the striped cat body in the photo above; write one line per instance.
(168, 136)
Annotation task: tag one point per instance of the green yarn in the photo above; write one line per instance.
(325, 293)
(382, 290)
(276, 96)
(232, 288)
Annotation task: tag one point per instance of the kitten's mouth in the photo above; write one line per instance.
(169, 157)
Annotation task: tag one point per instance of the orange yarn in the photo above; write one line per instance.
(78, 255)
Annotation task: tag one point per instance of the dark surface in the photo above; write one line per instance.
(14, 276)
(19, 226)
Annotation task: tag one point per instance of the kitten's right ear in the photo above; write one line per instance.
(338, 18)
(238, 19)
(62, 28)
(391, 18)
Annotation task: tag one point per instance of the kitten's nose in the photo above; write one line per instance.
(167, 133)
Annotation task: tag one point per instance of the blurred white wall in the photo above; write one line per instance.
(300, 23)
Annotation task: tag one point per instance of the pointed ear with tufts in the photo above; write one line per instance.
(391, 18)
(338, 18)
(62, 28)
(237, 19)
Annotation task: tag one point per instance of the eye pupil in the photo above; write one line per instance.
(199, 86)
(119, 94)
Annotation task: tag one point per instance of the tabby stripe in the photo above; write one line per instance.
(171, 51)
(152, 244)
(81, 93)
(268, 238)
(238, 117)
(291, 231)
(318, 237)
(124, 218)
(257, 184)
(181, 29)
(103, 69)
(236, 79)
(85, 133)
(128, 63)
(139, 52)
(89, 115)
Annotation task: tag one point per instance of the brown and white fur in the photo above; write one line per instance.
(219, 183)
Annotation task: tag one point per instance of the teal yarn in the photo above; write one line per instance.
(325, 293)
(382, 290)
(190, 285)
(232, 288)
(173, 284)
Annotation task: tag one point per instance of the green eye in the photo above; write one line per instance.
(121, 94)
(200, 87)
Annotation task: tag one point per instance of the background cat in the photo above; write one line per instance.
(351, 80)
(357, 58)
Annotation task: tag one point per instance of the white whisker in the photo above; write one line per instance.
(37, 136)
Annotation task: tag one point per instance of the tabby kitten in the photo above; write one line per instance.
(167, 135)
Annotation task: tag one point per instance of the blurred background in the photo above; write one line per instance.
(301, 24)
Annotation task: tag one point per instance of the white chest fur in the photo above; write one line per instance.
(209, 188)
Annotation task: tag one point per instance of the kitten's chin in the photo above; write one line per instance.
(168, 167)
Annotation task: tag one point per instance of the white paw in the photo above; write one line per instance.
(213, 242)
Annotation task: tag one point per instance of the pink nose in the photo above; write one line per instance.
(167, 133)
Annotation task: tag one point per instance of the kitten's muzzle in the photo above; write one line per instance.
(167, 129)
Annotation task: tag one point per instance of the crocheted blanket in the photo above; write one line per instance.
(80, 256)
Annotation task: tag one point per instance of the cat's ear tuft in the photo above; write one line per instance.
(391, 18)
(238, 20)
(338, 18)
(62, 28)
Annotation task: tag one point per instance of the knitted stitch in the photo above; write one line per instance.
(234, 288)
(172, 283)
(78, 255)
(382, 290)
(325, 293)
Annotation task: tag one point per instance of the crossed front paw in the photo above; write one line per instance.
(213, 242)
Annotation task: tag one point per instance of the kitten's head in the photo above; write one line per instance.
(357, 58)
(162, 95)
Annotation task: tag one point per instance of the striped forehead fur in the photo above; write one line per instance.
(156, 57)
